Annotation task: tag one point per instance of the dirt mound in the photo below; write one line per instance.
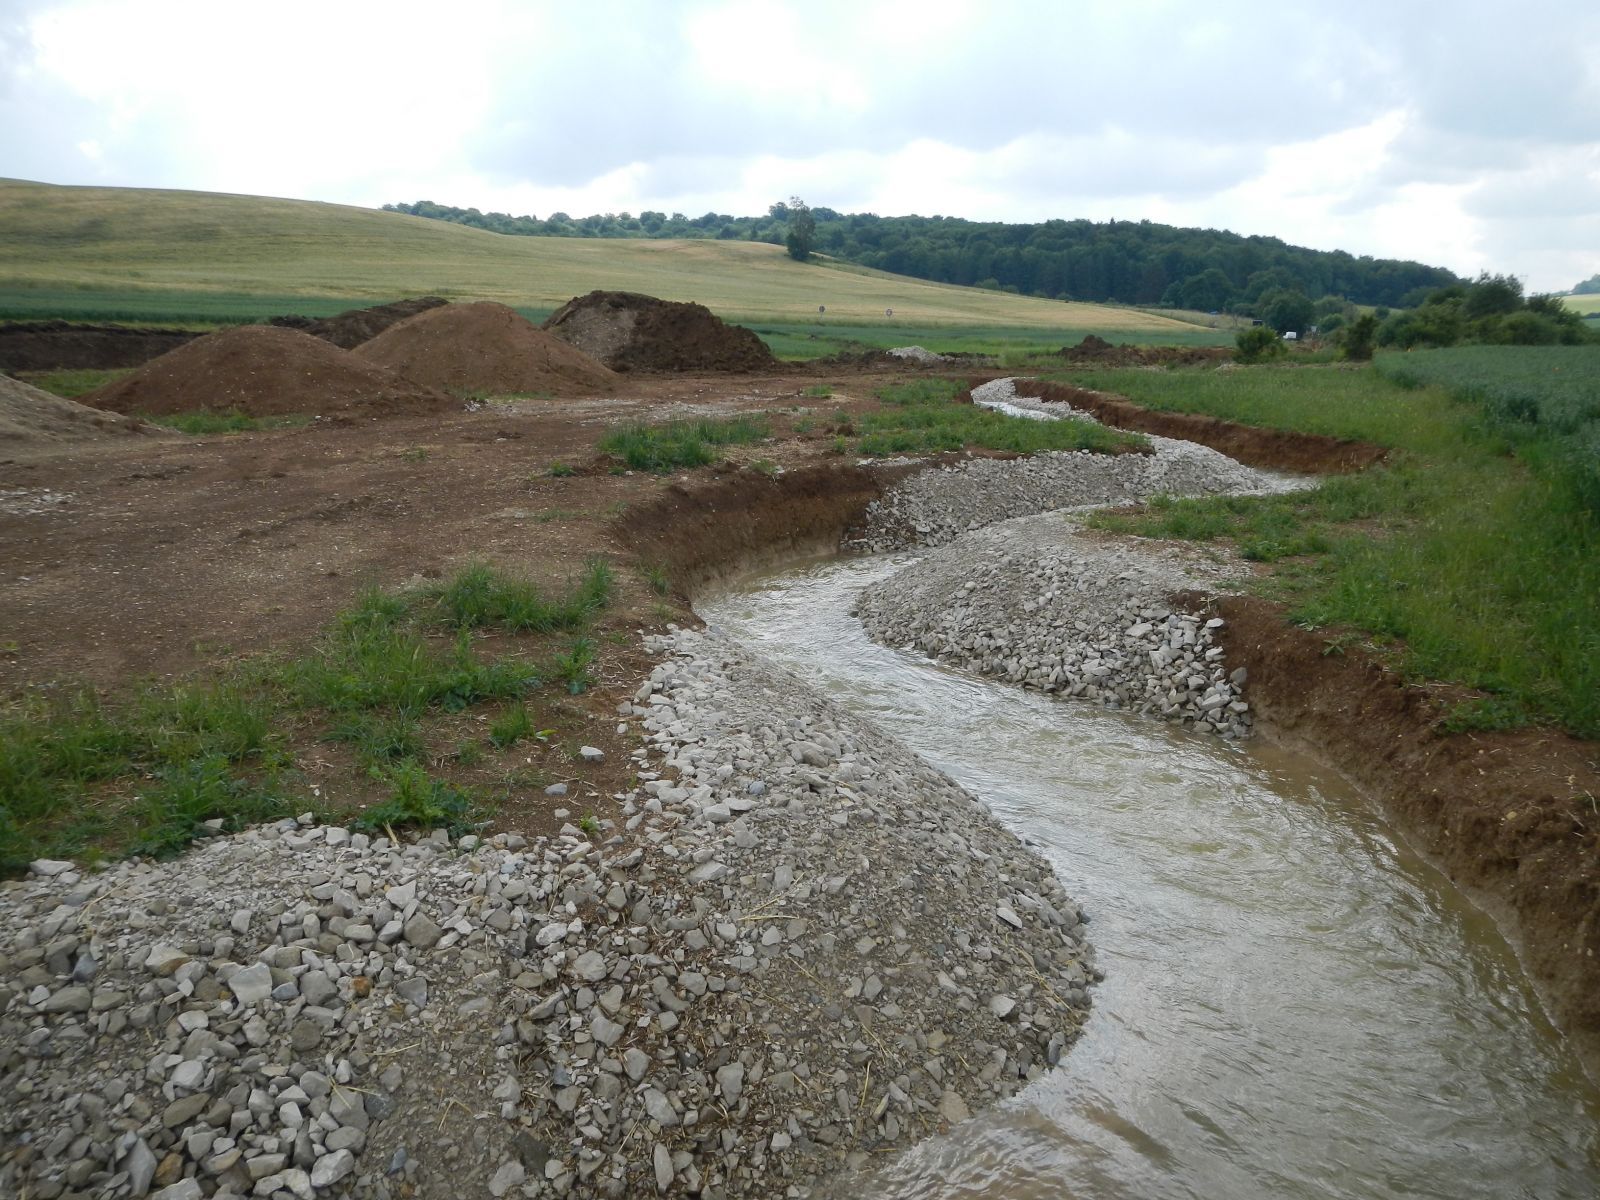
(1275, 449)
(357, 325)
(65, 346)
(266, 372)
(29, 416)
(485, 347)
(631, 332)
(1101, 353)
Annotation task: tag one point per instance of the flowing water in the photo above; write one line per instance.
(1295, 1004)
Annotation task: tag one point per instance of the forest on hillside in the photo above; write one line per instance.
(1127, 262)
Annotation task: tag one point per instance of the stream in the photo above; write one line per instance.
(1296, 1005)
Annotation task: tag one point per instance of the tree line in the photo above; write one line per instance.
(1127, 262)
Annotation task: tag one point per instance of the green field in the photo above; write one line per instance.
(81, 251)
(1589, 305)
(1474, 554)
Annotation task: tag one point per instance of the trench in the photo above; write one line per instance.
(1296, 1005)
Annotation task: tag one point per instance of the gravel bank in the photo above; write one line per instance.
(806, 947)
(1034, 602)
(936, 507)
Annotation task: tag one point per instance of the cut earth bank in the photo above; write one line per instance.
(735, 995)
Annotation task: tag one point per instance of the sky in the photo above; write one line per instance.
(1464, 134)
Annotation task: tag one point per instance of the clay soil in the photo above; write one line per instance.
(350, 328)
(60, 345)
(1096, 351)
(265, 372)
(174, 555)
(632, 332)
(485, 348)
(31, 416)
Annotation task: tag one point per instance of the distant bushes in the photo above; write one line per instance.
(1489, 311)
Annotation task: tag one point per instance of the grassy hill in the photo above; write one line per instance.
(66, 250)
(1588, 305)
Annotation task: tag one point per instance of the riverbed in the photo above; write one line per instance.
(1295, 1004)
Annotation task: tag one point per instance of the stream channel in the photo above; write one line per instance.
(1295, 1004)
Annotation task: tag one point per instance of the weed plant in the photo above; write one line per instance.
(205, 424)
(679, 444)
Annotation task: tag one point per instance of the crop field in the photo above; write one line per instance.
(1588, 305)
(77, 251)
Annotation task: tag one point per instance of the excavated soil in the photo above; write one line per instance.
(31, 417)
(65, 346)
(204, 549)
(488, 348)
(632, 332)
(1512, 817)
(1096, 351)
(1249, 444)
(266, 372)
(351, 328)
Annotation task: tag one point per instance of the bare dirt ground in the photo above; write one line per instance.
(127, 559)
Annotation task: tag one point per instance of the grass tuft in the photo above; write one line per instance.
(679, 444)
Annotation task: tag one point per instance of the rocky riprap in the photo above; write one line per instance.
(805, 948)
(935, 507)
(1035, 603)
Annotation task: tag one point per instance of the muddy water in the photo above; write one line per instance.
(1295, 1005)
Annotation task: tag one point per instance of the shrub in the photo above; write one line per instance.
(1258, 344)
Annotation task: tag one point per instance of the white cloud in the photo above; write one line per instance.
(1469, 142)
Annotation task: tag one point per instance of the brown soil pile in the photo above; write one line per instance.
(34, 418)
(1096, 351)
(631, 332)
(1509, 814)
(357, 325)
(64, 346)
(1274, 449)
(266, 372)
(489, 348)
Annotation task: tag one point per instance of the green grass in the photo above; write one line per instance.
(417, 800)
(142, 773)
(820, 391)
(922, 417)
(230, 421)
(1473, 555)
(679, 444)
(479, 596)
(153, 252)
(1009, 344)
(72, 384)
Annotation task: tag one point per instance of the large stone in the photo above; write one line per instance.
(69, 999)
(252, 984)
(661, 1159)
(331, 1168)
(423, 932)
(164, 959)
(590, 966)
(508, 1175)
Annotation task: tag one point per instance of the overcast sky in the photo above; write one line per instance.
(1463, 134)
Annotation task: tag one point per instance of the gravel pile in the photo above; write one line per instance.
(1032, 602)
(933, 508)
(806, 947)
(917, 354)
